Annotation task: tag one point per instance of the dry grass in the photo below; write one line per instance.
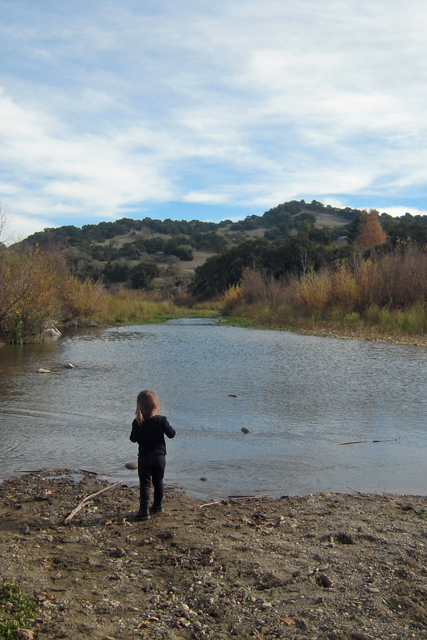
(128, 307)
(386, 292)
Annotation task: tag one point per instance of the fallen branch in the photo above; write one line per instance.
(360, 441)
(209, 504)
(83, 502)
(246, 497)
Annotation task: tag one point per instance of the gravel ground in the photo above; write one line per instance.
(325, 567)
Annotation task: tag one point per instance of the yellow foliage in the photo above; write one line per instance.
(315, 289)
(230, 299)
(233, 294)
(345, 292)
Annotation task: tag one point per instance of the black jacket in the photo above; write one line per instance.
(150, 435)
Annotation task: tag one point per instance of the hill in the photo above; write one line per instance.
(168, 252)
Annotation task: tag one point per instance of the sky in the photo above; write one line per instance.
(209, 109)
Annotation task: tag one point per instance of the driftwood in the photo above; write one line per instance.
(360, 441)
(92, 495)
(247, 497)
(209, 504)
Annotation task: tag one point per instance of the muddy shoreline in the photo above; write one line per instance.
(325, 567)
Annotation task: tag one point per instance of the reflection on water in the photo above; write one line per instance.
(297, 395)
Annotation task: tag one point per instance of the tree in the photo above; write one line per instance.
(116, 271)
(142, 274)
(371, 233)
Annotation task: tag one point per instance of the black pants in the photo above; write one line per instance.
(151, 469)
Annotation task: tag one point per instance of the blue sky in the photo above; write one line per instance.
(209, 109)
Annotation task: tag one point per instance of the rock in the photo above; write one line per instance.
(131, 465)
(323, 581)
(51, 332)
(25, 529)
(232, 395)
(118, 552)
(244, 430)
(203, 478)
(24, 634)
(70, 366)
(41, 370)
(70, 539)
(270, 580)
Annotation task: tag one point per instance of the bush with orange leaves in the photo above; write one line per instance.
(36, 289)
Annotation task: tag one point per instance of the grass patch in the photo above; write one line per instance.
(133, 307)
(17, 611)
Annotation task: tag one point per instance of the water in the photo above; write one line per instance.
(297, 395)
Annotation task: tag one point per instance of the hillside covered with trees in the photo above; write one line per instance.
(75, 276)
(138, 252)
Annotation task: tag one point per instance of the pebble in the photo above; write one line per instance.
(84, 539)
(70, 539)
(323, 581)
(24, 634)
(131, 465)
(118, 552)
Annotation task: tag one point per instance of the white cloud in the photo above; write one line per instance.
(202, 197)
(21, 226)
(107, 106)
(85, 170)
(397, 211)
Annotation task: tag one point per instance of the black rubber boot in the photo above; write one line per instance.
(141, 515)
(156, 508)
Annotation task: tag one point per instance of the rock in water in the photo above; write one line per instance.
(203, 478)
(51, 332)
(70, 366)
(131, 465)
(244, 430)
(41, 370)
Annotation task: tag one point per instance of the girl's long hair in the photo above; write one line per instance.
(146, 403)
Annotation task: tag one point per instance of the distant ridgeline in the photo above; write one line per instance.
(278, 222)
(287, 238)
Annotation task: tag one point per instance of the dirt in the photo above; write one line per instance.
(326, 567)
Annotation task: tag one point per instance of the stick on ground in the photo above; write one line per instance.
(92, 495)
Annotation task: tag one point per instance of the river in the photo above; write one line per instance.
(297, 395)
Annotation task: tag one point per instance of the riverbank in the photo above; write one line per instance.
(325, 567)
(336, 331)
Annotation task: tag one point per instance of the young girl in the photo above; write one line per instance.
(149, 430)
